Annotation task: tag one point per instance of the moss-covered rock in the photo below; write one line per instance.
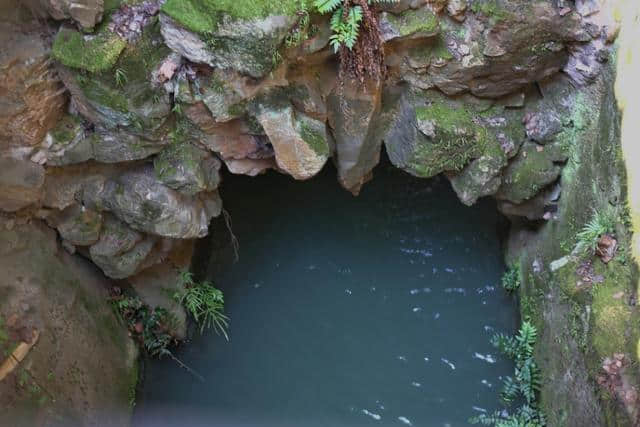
(122, 93)
(442, 135)
(410, 24)
(245, 38)
(187, 168)
(582, 306)
(90, 52)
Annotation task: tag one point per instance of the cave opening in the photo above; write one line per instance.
(345, 311)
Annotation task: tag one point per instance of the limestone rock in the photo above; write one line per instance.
(352, 116)
(144, 203)
(410, 24)
(534, 167)
(247, 46)
(523, 42)
(426, 140)
(21, 183)
(299, 142)
(87, 13)
(76, 145)
(120, 251)
(78, 225)
(123, 95)
(187, 169)
(32, 95)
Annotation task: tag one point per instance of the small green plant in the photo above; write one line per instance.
(355, 36)
(121, 77)
(150, 327)
(602, 222)
(204, 302)
(300, 31)
(511, 278)
(524, 385)
(177, 108)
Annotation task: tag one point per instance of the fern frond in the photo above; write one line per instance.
(326, 6)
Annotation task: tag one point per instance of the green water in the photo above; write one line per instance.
(367, 311)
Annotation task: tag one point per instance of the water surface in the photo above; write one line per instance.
(345, 312)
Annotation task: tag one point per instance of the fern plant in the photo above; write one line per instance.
(525, 384)
(345, 20)
(511, 278)
(204, 302)
(602, 222)
(120, 77)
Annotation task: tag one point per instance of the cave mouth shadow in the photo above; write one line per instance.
(221, 247)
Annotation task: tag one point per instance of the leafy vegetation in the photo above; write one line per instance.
(524, 386)
(120, 76)
(149, 327)
(511, 278)
(356, 37)
(602, 222)
(204, 302)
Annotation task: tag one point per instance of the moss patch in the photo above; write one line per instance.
(203, 16)
(91, 53)
(415, 21)
(491, 9)
(66, 130)
(314, 137)
(457, 139)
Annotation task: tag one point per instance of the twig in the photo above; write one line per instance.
(234, 240)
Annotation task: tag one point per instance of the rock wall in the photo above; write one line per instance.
(162, 95)
(82, 368)
(117, 117)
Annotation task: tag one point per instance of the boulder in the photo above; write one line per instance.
(87, 13)
(352, 113)
(139, 199)
(77, 225)
(299, 142)
(118, 92)
(120, 252)
(204, 35)
(21, 183)
(32, 94)
(187, 168)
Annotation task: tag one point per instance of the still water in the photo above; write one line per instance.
(368, 311)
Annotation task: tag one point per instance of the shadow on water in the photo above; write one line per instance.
(367, 311)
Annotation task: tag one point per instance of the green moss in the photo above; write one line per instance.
(102, 93)
(491, 9)
(66, 129)
(415, 21)
(611, 311)
(315, 138)
(203, 16)
(91, 53)
(457, 140)
(440, 51)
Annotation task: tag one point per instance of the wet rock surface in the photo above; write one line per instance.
(473, 91)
